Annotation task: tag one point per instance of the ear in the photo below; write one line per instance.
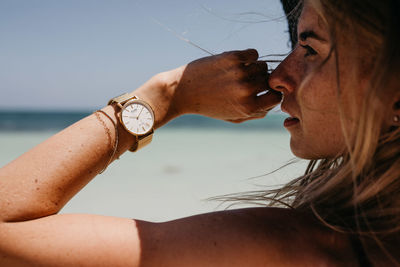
(394, 117)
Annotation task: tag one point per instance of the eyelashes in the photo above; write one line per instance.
(309, 51)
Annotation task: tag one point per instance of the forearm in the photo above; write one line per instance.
(44, 179)
(41, 181)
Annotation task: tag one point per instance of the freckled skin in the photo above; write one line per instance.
(34, 233)
(311, 92)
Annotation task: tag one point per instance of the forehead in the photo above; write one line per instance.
(310, 19)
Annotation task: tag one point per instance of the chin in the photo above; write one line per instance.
(305, 155)
(310, 152)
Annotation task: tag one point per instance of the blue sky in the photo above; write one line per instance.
(76, 54)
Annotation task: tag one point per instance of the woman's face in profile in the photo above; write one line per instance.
(309, 87)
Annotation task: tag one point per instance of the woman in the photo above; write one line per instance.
(340, 87)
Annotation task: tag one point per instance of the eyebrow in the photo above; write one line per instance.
(310, 34)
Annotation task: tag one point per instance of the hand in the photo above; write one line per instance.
(223, 86)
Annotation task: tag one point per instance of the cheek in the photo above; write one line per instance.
(325, 136)
(321, 126)
(319, 94)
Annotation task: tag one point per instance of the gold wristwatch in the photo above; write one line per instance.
(137, 117)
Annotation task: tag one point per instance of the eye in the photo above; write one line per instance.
(309, 51)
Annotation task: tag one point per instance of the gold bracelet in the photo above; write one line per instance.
(108, 135)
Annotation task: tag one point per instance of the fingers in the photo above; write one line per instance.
(257, 116)
(257, 68)
(257, 75)
(233, 78)
(246, 56)
(269, 100)
(257, 107)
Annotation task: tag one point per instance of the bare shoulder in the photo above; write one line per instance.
(243, 237)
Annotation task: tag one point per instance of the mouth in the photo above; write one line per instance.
(291, 121)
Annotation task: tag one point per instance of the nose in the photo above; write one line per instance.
(282, 79)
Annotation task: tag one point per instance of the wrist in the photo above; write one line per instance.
(181, 90)
(162, 92)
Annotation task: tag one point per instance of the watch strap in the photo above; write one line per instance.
(142, 141)
(122, 99)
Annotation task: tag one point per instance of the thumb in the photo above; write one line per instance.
(268, 100)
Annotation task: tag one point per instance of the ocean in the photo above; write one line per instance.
(17, 121)
(190, 160)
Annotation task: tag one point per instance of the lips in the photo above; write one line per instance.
(291, 121)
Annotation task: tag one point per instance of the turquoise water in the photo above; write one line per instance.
(184, 165)
(56, 120)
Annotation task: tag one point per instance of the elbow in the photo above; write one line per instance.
(30, 212)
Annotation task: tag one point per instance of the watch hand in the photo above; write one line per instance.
(131, 117)
(140, 112)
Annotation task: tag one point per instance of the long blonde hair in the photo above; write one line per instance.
(360, 190)
(357, 192)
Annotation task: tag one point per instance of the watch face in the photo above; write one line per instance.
(137, 117)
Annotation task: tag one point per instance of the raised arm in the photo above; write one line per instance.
(35, 186)
(42, 180)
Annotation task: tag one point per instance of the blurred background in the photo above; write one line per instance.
(61, 60)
